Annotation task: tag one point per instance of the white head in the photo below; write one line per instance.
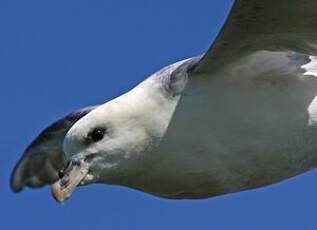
(113, 139)
(111, 136)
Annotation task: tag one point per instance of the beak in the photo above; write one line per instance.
(70, 177)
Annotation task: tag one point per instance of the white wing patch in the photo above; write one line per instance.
(312, 111)
(311, 67)
(311, 70)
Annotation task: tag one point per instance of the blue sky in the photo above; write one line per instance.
(56, 56)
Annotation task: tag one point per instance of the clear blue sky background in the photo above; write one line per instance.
(56, 56)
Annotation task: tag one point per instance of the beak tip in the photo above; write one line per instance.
(74, 174)
(57, 193)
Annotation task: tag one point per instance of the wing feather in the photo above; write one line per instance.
(44, 157)
(273, 25)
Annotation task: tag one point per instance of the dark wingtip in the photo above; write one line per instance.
(21, 176)
(15, 183)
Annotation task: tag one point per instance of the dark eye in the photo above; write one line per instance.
(97, 134)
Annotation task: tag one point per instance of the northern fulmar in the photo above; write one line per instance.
(241, 116)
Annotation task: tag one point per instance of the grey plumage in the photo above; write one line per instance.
(241, 116)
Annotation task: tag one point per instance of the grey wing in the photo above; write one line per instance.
(274, 25)
(263, 51)
(44, 157)
(254, 85)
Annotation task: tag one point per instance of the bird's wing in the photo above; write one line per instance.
(259, 70)
(44, 157)
(275, 25)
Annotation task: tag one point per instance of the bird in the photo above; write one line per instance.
(240, 116)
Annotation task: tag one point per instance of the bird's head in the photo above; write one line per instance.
(108, 145)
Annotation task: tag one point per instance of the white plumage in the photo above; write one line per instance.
(241, 116)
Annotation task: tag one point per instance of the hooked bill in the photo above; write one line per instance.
(74, 174)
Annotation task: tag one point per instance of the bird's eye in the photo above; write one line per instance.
(97, 134)
(61, 174)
